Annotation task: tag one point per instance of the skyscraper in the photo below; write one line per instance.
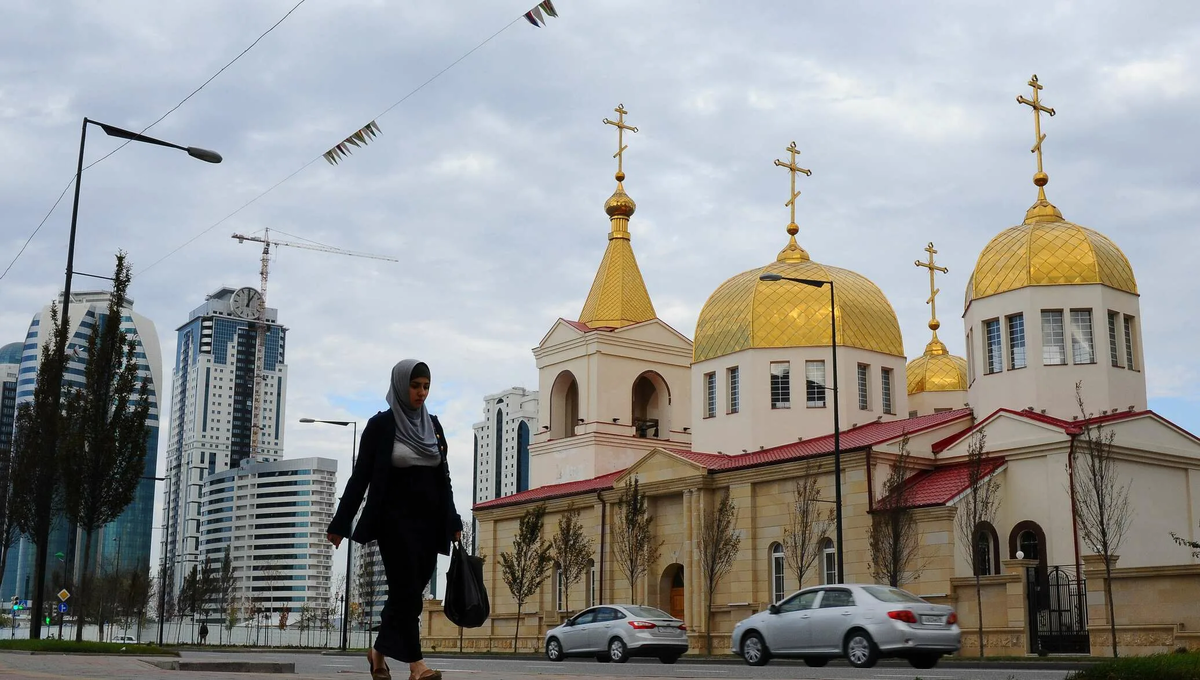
(124, 543)
(502, 441)
(212, 410)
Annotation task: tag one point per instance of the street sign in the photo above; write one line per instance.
(63, 594)
(62, 607)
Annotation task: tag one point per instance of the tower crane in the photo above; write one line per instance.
(260, 342)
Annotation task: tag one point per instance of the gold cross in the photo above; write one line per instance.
(1040, 178)
(793, 169)
(619, 123)
(933, 289)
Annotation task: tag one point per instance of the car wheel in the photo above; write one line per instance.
(861, 651)
(924, 660)
(669, 658)
(754, 650)
(617, 651)
(554, 650)
(816, 661)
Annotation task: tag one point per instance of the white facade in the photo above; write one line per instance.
(502, 442)
(211, 419)
(272, 517)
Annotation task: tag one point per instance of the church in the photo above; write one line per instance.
(796, 371)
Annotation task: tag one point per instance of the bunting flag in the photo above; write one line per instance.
(537, 15)
(548, 8)
(530, 19)
(359, 139)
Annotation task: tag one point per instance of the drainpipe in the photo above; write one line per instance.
(1074, 513)
(600, 564)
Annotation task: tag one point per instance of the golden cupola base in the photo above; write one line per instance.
(937, 370)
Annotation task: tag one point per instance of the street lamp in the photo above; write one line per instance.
(349, 543)
(837, 430)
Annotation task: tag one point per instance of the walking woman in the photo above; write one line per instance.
(410, 512)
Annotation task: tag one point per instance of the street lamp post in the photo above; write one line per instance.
(837, 430)
(349, 543)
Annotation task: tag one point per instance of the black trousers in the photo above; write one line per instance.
(408, 547)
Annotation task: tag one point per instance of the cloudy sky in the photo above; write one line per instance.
(488, 184)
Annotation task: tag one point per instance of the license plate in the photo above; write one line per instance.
(932, 620)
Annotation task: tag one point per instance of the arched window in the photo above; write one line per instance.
(987, 550)
(564, 406)
(651, 402)
(498, 456)
(828, 562)
(777, 572)
(522, 456)
(1028, 538)
(1027, 543)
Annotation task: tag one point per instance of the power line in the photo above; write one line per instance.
(156, 122)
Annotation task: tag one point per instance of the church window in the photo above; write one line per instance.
(885, 382)
(1129, 343)
(1016, 341)
(1114, 353)
(987, 549)
(814, 381)
(828, 562)
(1054, 349)
(995, 347)
(710, 395)
(781, 384)
(864, 400)
(735, 386)
(1083, 347)
(777, 572)
(1027, 543)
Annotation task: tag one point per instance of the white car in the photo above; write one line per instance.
(860, 622)
(616, 632)
(124, 639)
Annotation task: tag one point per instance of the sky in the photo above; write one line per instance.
(488, 184)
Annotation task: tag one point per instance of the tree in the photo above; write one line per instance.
(104, 434)
(1101, 500)
(807, 525)
(525, 568)
(8, 528)
(207, 587)
(231, 618)
(226, 581)
(634, 546)
(572, 550)
(978, 506)
(893, 541)
(719, 545)
(1185, 543)
(36, 489)
(187, 604)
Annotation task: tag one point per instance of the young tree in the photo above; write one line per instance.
(8, 528)
(36, 489)
(104, 434)
(893, 540)
(807, 525)
(572, 549)
(719, 544)
(189, 599)
(634, 546)
(207, 588)
(1101, 499)
(231, 618)
(525, 568)
(979, 505)
(226, 582)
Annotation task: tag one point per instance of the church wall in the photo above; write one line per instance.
(1161, 499)
(757, 425)
(926, 403)
(585, 456)
(1053, 387)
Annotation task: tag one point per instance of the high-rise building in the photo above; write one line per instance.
(212, 416)
(124, 543)
(272, 517)
(10, 366)
(502, 441)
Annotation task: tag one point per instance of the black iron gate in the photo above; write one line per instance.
(1057, 611)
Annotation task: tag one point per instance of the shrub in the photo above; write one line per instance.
(1158, 667)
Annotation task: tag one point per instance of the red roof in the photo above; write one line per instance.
(543, 493)
(1071, 427)
(940, 485)
(583, 327)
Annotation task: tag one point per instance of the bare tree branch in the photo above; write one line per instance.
(633, 538)
(719, 545)
(526, 568)
(806, 527)
(572, 550)
(893, 540)
(979, 505)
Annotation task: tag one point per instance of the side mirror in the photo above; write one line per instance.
(569, 622)
(774, 609)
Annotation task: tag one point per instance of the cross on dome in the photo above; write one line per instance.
(619, 123)
(1042, 210)
(934, 324)
(793, 252)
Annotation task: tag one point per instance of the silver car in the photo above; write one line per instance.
(615, 632)
(860, 622)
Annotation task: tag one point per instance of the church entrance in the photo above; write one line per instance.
(671, 591)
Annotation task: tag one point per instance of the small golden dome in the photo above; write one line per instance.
(1048, 252)
(745, 313)
(620, 204)
(937, 370)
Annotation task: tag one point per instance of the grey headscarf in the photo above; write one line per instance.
(414, 427)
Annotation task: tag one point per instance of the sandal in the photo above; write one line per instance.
(430, 674)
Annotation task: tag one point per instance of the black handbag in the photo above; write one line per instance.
(466, 601)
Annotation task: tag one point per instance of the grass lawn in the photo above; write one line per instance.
(1157, 667)
(70, 646)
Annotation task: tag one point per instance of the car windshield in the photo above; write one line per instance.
(648, 613)
(886, 594)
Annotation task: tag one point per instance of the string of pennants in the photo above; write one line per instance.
(536, 16)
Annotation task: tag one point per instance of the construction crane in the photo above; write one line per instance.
(260, 343)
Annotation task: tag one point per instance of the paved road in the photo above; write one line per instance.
(321, 667)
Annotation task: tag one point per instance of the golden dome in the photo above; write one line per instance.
(745, 313)
(937, 370)
(620, 204)
(1048, 251)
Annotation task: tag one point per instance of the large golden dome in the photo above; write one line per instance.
(937, 370)
(1049, 253)
(745, 313)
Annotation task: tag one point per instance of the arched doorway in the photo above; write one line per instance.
(651, 406)
(564, 406)
(671, 591)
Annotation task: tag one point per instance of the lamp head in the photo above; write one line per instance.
(307, 420)
(204, 154)
(770, 277)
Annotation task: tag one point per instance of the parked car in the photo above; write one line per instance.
(125, 639)
(860, 622)
(616, 632)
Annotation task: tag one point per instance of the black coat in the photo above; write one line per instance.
(370, 476)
